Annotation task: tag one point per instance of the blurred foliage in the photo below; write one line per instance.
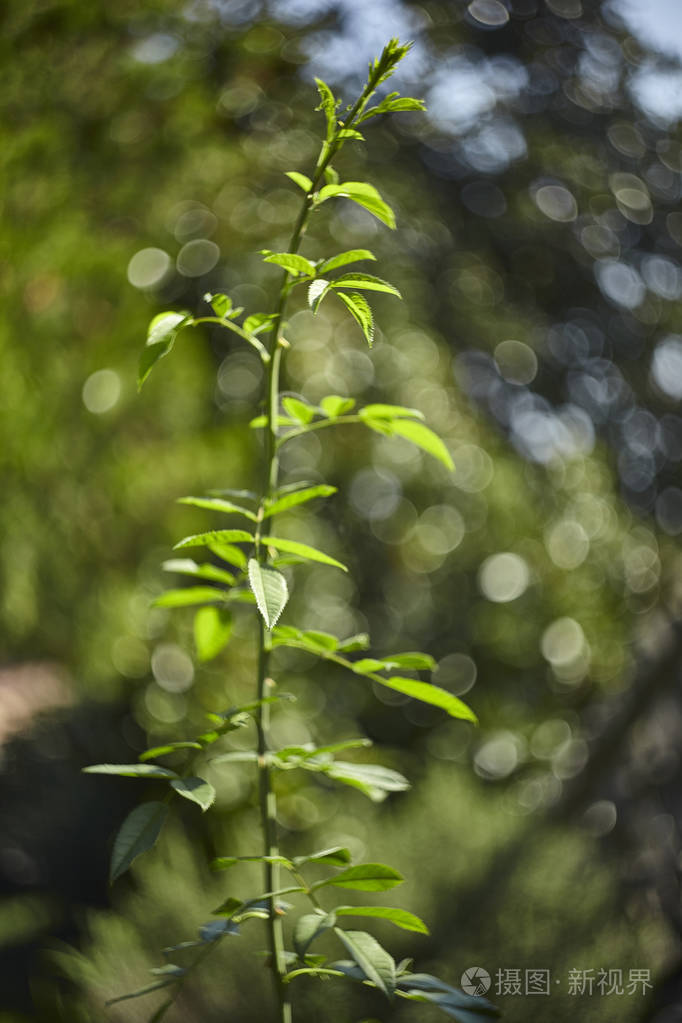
(538, 252)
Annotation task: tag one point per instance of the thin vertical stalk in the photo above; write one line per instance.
(267, 797)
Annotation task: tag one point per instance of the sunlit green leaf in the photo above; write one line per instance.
(227, 552)
(270, 590)
(221, 304)
(373, 780)
(399, 917)
(259, 323)
(161, 335)
(137, 834)
(390, 412)
(300, 179)
(297, 409)
(412, 661)
(428, 693)
(212, 631)
(334, 405)
(298, 497)
(360, 310)
(292, 262)
(218, 504)
(417, 433)
(358, 642)
(215, 536)
(186, 566)
(316, 293)
(390, 105)
(328, 105)
(159, 751)
(365, 282)
(195, 789)
(362, 193)
(189, 596)
(302, 550)
(343, 258)
(365, 877)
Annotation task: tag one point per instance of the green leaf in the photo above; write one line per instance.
(389, 106)
(232, 555)
(164, 326)
(328, 105)
(170, 747)
(313, 640)
(390, 412)
(358, 642)
(229, 907)
(351, 133)
(334, 405)
(343, 258)
(186, 566)
(308, 927)
(300, 179)
(425, 439)
(336, 747)
(374, 961)
(260, 421)
(399, 917)
(362, 193)
(428, 693)
(161, 336)
(189, 596)
(131, 770)
(299, 410)
(360, 310)
(259, 323)
(330, 175)
(380, 209)
(221, 304)
(220, 536)
(195, 789)
(298, 497)
(373, 780)
(224, 862)
(212, 631)
(302, 550)
(367, 665)
(365, 877)
(270, 590)
(291, 262)
(218, 504)
(137, 834)
(417, 433)
(412, 661)
(316, 292)
(365, 282)
(337, 855)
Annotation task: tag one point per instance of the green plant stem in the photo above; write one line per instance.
(267, 797)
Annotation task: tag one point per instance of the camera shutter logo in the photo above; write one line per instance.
(475, 981)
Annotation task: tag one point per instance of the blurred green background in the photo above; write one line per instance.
(538, 252)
